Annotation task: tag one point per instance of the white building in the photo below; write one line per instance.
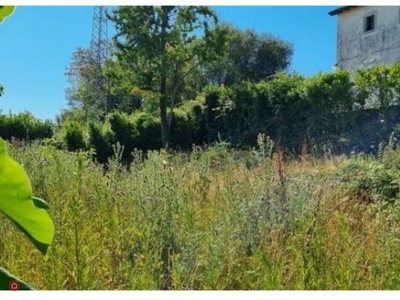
(367, 36)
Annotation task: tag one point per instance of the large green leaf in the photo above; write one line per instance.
(5, 11)
(6, 278)
(16, 202)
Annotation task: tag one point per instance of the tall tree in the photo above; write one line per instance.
(250, 57)
(162, 47)
(83, 92)
(81, 76)
(123, 84)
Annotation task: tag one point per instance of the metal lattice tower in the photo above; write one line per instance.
(99, 47)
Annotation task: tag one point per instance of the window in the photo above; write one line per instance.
(369, 23)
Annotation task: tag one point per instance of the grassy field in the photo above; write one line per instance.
(212, 219)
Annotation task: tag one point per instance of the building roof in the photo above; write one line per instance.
(341, 9)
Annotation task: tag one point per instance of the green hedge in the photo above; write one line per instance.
(328, 110)
(24, 126)
(75, 136)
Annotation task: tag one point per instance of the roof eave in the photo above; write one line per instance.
(341, 9)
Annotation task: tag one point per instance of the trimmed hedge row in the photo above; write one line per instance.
(24, 126)
(325, 111)
(136, 131)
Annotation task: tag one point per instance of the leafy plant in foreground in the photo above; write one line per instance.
(5, 11)
(28, 213)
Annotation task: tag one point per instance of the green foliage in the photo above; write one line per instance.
(326, 97)
(265, 147)
(378, 86)
(212, 112)
(100, 139)
(239, 113)
(17, 204)
(87, 91)
(163, 51)
(75, 136)
(124, 132)
(389, 153)
(330, 90)
(6, 278)
(138, 131)
(249, 57)
(123, 87)
(148, 131)
(195, 111)
(331, 118)
(205, 220)
(370, 181)
(286, 98)
(24, 126)
(218, 153)
(6, 11)
(29, 214)
(185, 127)
(246, 114)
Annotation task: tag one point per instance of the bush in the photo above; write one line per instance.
(137, 131)
(244, 117)
(378, 86)
(327, 96)
(101, 141)
(286, 94)
(327, 102)
(123, 132)
(212, 112)
(183, 129)
(370, 181)
(148, 130)
(289, 108)
(24, 126)
(74, 136)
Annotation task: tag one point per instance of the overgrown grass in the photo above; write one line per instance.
(211, 219)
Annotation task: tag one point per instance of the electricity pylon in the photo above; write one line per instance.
(99, 47)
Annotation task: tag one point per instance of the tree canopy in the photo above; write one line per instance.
(163, 56)
(250, 56)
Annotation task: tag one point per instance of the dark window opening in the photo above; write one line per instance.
(370, 23)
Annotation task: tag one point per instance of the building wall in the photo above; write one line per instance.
(359, 49)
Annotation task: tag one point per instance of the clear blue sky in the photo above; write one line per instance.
(36, 44)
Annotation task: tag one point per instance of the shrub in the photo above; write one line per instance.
(100, 140)
(24, 126)
(74, 136)
(136, 131)
(328, 95)
(241, 114)
(183, 129)
(212, 112)
(286, 94)
(124, 132)
(148, 130)
(370, 181)
(378, 86)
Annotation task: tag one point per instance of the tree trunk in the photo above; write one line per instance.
(163, 113)
(163, 85)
